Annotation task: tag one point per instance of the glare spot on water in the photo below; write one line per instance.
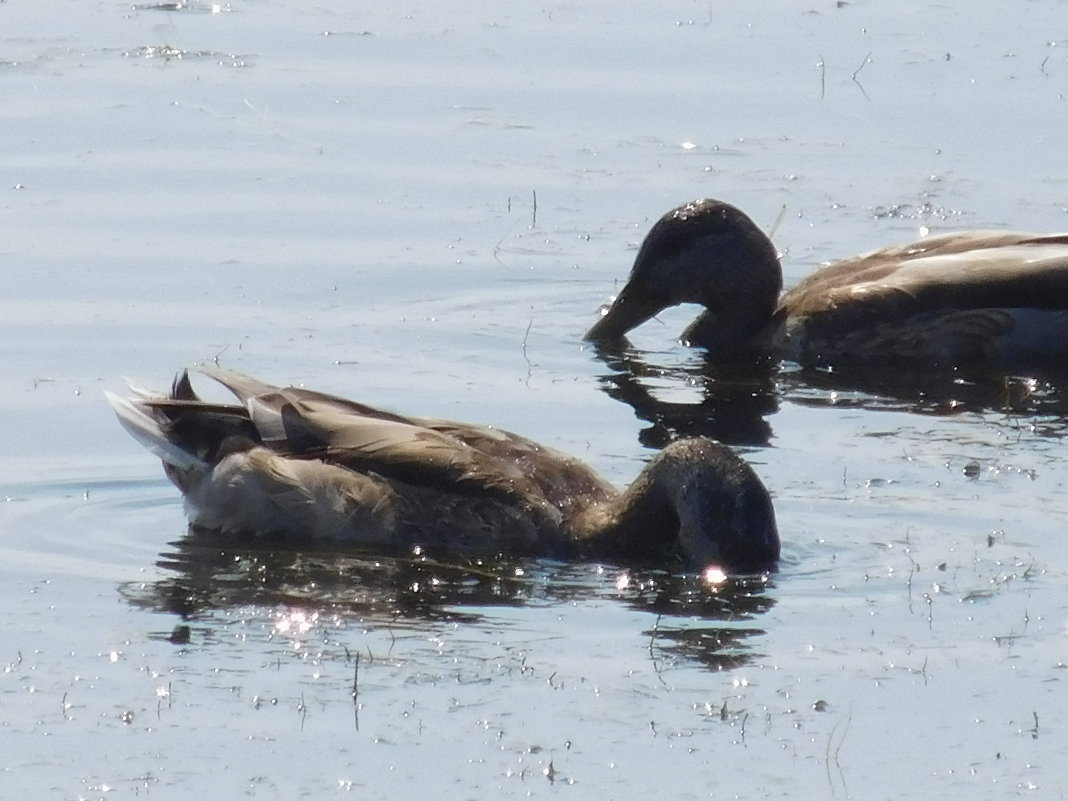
(714, 576)
(295, 622)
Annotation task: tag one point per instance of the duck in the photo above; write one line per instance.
(313, 467)
(975, 300)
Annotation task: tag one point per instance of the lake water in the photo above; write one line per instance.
(422, 206)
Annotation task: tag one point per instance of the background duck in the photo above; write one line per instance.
(980, 299)
(307, 465)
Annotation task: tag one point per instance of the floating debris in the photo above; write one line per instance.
(184, 5)
(168, 53)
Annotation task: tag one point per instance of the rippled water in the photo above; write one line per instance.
(423, 208)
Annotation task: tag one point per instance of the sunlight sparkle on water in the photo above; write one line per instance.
(295, 622)
(714, 576)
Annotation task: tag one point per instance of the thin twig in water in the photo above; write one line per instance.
(830, 756)
(845, 731)
(856, 72)
(778, 221)
(652, 657)
(823, 77)
(526, 334)
(913, 570)
(534, 212)
(497, 248)
(530, 366)
(356, 692)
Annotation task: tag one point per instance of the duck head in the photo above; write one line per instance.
(701, 503)
(725, 513)
(710, 253)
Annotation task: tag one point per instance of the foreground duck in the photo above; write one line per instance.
(981, 299)
(307, 465)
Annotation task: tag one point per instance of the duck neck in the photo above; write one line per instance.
(741, 318)
(742, 335)
(640, 523)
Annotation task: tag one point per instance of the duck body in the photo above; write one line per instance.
(979, 299)
(310, 466)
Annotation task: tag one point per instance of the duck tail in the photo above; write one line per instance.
(188, 433)
(148, 426)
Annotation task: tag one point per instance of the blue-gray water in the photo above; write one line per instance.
(422, 206)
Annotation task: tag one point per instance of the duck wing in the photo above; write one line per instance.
(564, 481)
(976, 297)
(467, 458)
(973, 270)
(305, 424)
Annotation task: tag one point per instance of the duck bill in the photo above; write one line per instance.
(628, 310)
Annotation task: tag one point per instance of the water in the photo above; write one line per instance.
(423, 209)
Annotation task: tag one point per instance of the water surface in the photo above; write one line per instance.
(423, 208)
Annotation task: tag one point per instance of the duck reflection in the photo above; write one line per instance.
(713, 623)
(677, 637)
(934, 393)
(732, 405)
(734, 402)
